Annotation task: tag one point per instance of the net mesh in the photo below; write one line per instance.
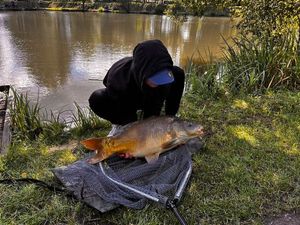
(160, 179)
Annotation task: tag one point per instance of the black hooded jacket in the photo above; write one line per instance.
(125, 80)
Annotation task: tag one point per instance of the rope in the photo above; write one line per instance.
(38, 183)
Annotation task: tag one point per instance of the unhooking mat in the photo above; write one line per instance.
(90, 185)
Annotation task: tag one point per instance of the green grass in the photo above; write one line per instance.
(248, 170)
(250, 166)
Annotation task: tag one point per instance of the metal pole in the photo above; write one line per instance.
(171, 205)
(183, 183)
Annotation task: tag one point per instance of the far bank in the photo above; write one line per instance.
(153, 7)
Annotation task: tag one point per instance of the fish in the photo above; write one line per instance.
(145, 138)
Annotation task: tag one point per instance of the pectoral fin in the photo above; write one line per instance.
(152, 158)
(171, 144)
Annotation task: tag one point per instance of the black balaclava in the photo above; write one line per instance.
(149, 57)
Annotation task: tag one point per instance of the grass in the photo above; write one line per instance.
(250, 167)
(248, 170)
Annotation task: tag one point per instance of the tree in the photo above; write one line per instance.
(199, 7)
(271, 18)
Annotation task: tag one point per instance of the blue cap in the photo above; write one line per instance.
(162, 77)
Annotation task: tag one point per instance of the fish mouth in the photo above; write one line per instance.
(200, 131)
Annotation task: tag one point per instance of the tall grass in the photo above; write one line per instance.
(29, 122)
(84, 119)
(25, 117)
(256, 65)
(54, 128)
(249, 66)
(203, 78)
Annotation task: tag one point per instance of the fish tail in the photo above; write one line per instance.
(93, 144)
(100, 146)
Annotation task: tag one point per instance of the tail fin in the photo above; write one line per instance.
(95, 144)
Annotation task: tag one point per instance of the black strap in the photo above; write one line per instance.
(38, 183)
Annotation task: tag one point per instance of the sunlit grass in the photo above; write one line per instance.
(62, 9)
(241, 104)
(245, 134)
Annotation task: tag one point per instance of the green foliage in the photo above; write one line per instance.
(29, 123)
(175, 10)
(160, 8)
(250, 65)
(199, 8)
(274, 20)
(270, 18)
(54, 129)
(265, 57)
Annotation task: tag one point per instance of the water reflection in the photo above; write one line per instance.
(51, 50)
(11, 63)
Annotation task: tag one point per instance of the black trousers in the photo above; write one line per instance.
(116, 111)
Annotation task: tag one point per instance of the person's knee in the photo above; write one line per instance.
(117, 111)
(97, 98)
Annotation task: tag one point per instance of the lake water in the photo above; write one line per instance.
(63, 56)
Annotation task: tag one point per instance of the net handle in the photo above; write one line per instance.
(183, 183)
(162, 199)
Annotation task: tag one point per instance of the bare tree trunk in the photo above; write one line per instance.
(298, 38)
(83, 5)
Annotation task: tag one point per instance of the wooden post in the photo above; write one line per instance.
(5, 133)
